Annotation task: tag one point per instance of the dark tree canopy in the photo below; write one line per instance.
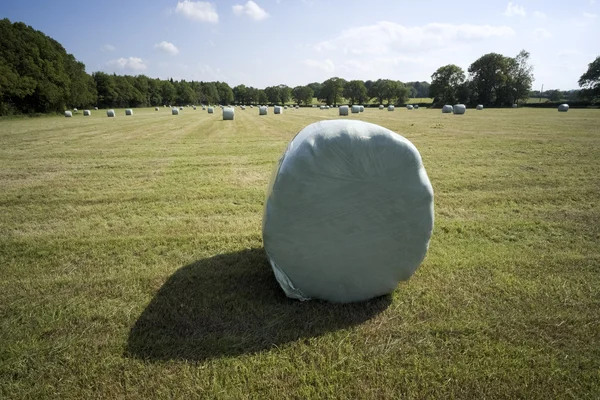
(590, 80)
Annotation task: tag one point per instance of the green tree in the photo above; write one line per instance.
(445, 83)
(590, 80)
(285, 92)
(303, 94)
(402, 93)
(225, 93)
(555, 95)
(316, 88)
(355, 91)
(239, 94)
(168, 92)
(331, 90)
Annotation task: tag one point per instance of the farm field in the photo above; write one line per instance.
(131, 263)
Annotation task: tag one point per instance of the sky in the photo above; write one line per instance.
(295, 42)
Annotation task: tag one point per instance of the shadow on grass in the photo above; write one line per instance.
(229, 305)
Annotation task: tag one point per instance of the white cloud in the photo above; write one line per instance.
(354, 65)
(202, 11)
(539, 15)
(167, 47)
(250, 9)
(589, 15)
(207, 73)
(514, 9)
(384, 38)
(108, 47)
(326, 65)
(133, 64)
(541, 34)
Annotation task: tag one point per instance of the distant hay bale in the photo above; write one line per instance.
(194, 107)
(251, 106)
(87, 113)
(314, 106)
(129, 111)
(68, 114)
(447, 109)
(110, 113)
(203, 108)
(228, 113)
(75, 109)
(355, 109)
(362, 108)
(277, 110)
(322, 107)
(479, 107)
(381, 107)
(243, 107)
(564, 108)
(327, 107)
(409, 107)
(390, 108)
(96, 108)
(174, 111)
(180, 108)
(211, 110)
(343, 110)
(262, 110)
(155, 108)
(514, 106)
(459, 109)
(416, 106)
(285, 107)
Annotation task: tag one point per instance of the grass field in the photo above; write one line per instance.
(132, 266)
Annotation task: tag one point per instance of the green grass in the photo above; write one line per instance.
(131, 263)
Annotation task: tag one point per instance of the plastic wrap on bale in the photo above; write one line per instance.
(348, 214)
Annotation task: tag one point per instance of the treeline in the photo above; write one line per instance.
(37, 75)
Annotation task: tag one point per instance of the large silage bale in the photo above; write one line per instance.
(381, 107)
(349, 212)
(129, 111)
(68, 114)
(87, 113)
(110, 113)
(262, 110)
(174, 111)
(211, 110)
(447, 109)
(361, 108)
(228, 113)
(277, 110)
(355, 109)
(390, 108)
(563, 108)
(459, 109)
(343, 110)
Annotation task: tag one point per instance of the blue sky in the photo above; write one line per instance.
(295, 42)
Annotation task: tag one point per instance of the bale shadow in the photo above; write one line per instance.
(230, 305)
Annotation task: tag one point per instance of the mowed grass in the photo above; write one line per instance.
(132, 265)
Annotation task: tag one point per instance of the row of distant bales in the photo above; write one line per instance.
(229, 111)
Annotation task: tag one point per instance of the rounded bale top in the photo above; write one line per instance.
(110, 113)
(87, 113)
(349, 212)
(129, 111)
(277, 110)
(68, 114)
(355, 109)
(228, 113)
(174, 111)
(447, 109)
(390, 108)
(459, 109)
(563, 107)
(343, 110)
(479, 107)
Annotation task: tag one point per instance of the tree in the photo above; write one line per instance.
(520, 77)
(555, 95)
(402, 93)
(445, 83)
(590, 80)
(168, 92)
(379, 90)
(331, 90)
(239, 94)
(355, 91)
(284, 93)
(272, 93)
(489, 74)
(225, 93)
(303, 94)
(316, 88)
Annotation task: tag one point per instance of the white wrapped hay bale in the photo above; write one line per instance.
(409, 107)
(203, 108)
(285, 107)
(416, 106)
(243, 107)
(87, 113)
(96, 108)
(211, 110)
(68, 114)
(129, 111)
(343, 110)
(355, 109)
(349, 212)
(479, 107)
(155, 108)
(110, 113)
(194, 107)
(390, 108)
(327, 107)
(563, 108)
(381, 107)
(447, 109)
(277, 110)
(251, 106)
(180, 108)
(362, 108)
(262, 110)
(459, 109)
(314, 106)
(228, 113)
(514, 106)
(75, 110)
(174, 111)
